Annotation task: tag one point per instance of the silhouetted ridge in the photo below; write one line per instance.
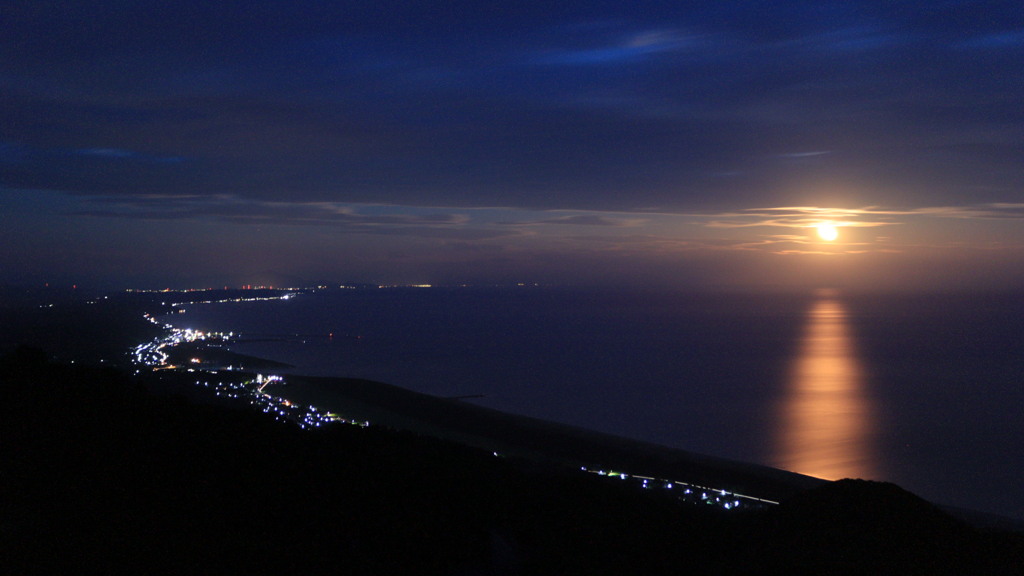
(100, 476)
(865, 503)
(865, 527)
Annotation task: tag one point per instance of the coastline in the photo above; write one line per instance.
(695, 420)
(108, 323)
(534, 439)
(504, 433)
(562, 445)
(201, 482)
(550, 445)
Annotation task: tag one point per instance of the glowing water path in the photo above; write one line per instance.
(826, 417)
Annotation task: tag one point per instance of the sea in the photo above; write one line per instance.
(926, 391)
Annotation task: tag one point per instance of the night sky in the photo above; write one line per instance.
(686, 144)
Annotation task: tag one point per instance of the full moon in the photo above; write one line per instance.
(827, 231)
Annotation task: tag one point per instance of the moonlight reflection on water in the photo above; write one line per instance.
(827, 420)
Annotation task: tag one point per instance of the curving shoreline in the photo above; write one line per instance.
(478, 426)
(532, 438)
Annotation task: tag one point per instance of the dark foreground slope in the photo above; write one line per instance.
(99, 476)
(537, 439)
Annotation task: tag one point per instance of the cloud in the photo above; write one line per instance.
(843, 41)
(240, 210)
(1009, 39)
(106, 152)
(993, 211)
(869, 217)
(805, 154)
(797, 217)
(465, 234)
(583, 220)
(632, 47)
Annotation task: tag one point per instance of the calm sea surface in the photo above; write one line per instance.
(924, 391)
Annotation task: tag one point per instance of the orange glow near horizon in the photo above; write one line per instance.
(826, 418)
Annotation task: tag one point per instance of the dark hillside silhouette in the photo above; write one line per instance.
(101, 476)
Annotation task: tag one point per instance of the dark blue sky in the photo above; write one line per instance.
(681, 143)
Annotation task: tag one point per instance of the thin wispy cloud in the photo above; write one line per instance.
(628, 48)
(239, 210)
(601, 220)
(700, 128)
(810, 154)
(1010, 39)
(869, 217)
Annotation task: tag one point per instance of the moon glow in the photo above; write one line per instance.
(827, 231)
